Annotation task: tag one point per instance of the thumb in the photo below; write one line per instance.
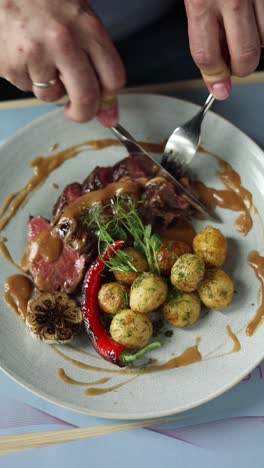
(108, 112)
(217, 80)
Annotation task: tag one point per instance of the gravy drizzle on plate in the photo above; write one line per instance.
(234, 197)
(256, 261)
(17, 292)
(44, 166)
(189, 356)
(5, 253)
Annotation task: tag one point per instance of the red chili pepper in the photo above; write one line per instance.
(102, 342)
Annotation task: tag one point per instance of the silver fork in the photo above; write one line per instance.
(134, 149)
(183, 143)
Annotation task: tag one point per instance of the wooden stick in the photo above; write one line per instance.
(17, 442)
(160, 88)
(174, 86)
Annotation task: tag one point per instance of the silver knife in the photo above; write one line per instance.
(134, 148)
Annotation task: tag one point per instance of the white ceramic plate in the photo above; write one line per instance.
(35, 365)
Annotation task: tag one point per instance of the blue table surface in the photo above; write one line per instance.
(225, 432)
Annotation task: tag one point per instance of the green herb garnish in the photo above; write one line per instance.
(125, 297)
(107, 231)
(123, 223)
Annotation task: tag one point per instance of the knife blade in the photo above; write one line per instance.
(135, 149)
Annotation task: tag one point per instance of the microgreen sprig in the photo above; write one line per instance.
(148, 243)
(123, 222)
(107, 231)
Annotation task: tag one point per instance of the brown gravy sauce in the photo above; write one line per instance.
(225, 199)
(69, 380)
(17, 291)
(232, 180)
(183, 231)
(82, 351)
(19, 288)
(74, 209)
(234, 338)
(256, 261)
(234, 197)
(45, 245)
(43, 166)
(4, 252)
(100, 391)
(7, 202)
(84, 365)
(236, 345)
(189, 356)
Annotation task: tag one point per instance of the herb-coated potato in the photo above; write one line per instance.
(187, 272)
(147, 292)
(181, 308)
(138, 261)
(113, 297)
(216, 290)
(169, 252)
(211, 245)
(131, 329)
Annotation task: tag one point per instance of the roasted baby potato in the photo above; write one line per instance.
(181, 308)
(169, 252)
(216, 289)
(113, 297)
(147, 292)
(131, 329)
(211, 245)
(187, 272)
(138, 260)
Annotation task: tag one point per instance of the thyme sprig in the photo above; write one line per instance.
(123, 222)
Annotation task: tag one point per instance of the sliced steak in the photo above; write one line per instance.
(134, 167)
(63, 274)
(161, 205)
(99, 178)
(69, 194)
(36, 226)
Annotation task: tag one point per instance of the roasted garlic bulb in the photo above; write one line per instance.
(53, 317)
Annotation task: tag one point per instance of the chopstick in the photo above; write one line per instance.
(18, 442)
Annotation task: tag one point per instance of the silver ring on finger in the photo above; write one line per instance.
(45, 84)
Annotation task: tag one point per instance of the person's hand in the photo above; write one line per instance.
(43, 40)
(225, 39)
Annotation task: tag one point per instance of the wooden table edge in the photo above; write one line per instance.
(159, 88)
